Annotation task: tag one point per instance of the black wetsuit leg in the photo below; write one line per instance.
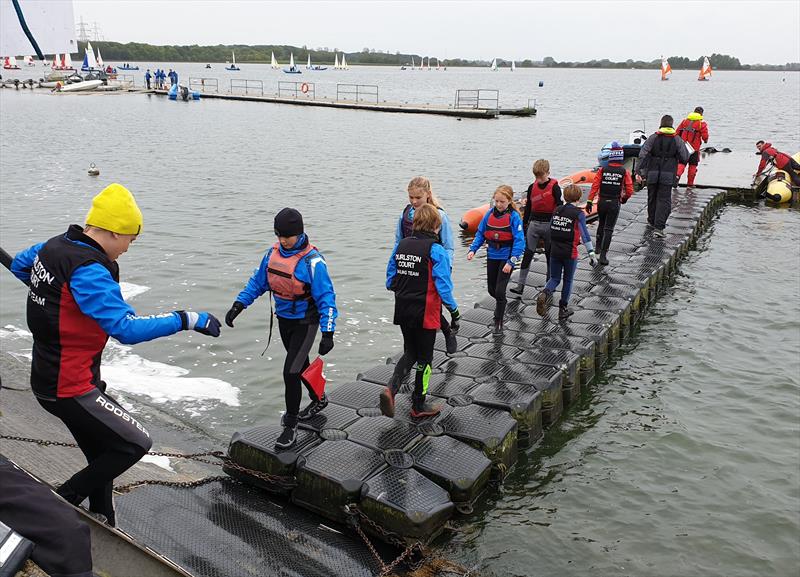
(418, 344)
(652, 201)
(297, 336)
(63, 542)
(497, 281)
(609, 212)
(111, 439)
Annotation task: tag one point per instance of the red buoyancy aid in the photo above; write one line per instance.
(541, 199)
(280, 274)
(498, 229)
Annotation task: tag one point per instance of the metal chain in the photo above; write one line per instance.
(223, 460)
(181, 484)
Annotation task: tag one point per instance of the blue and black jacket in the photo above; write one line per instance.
(509, 254)
(311, 270)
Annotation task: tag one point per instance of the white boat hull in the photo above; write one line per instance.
(81, 86)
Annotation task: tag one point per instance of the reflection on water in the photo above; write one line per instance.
(683, 457)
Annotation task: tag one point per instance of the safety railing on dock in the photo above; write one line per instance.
(361, 92)
(204, 84)
(288, 89)
(128, 79)
(482, 98)
(248, 86)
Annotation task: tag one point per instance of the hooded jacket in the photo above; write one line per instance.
(660, 156)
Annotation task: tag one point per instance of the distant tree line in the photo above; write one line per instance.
(139, 52)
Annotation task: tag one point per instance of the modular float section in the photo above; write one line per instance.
(409, 476)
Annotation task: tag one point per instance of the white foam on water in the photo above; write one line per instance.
(158, 461)
(126, 372)
(130, 290)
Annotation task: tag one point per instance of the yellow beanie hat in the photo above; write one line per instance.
(115, 209)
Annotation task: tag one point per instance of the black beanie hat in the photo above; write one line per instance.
(288, 222)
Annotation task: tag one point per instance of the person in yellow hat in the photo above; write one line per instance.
(73, 306)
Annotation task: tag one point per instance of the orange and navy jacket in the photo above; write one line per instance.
(626, 188)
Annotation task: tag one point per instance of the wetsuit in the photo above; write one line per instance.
(305, 305)
(693, 130)
(419, 275)
(658, 163)
(782, 161)
(505, 241)
(614, 186)
(567, 229)
(405, 226)
(543, 198)
(74, 305)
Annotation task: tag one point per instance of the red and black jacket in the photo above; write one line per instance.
(67, 344)
(417, 302)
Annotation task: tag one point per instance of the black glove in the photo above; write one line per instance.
(236, 308)
(326, 343)
(204, 323)
(588, 207)
(455, 317)
(624, 199)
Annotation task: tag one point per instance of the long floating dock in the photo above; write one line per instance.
(375, 107)
(410, 476)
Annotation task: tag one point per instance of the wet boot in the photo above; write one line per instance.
(603, 260)
(543, 301)
(66, 492)
(498, 327)
(313, 408)
(450, 343)
(388, 394)
(564, 312)
(420, 407)
(288, 437)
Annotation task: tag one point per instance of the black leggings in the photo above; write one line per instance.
(417, 348)
(297, 336)
(496, 281)
(111, 439)
(608, 212)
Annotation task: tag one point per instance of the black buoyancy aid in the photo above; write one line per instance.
(541, 199)
(498, 228)
(417, 302)
(67, 344)
(611, 182)
(664, 156)
(407, 221)
(563, 231)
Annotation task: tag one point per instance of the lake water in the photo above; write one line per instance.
(683, 458)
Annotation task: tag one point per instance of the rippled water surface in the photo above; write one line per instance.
(683, 458)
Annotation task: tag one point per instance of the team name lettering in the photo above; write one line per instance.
(561, 223)
(37, 299)
(39, 273)
(112, 408)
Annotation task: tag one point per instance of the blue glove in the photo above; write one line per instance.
(204, 323)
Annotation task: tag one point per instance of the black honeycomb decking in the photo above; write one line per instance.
(497, 391)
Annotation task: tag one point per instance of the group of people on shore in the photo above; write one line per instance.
(158, 79)
(75, 302)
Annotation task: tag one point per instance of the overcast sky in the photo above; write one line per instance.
(755, 32)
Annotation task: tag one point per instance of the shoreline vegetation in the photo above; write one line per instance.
(261, 54)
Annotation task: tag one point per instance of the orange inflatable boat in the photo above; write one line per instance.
(472, 218)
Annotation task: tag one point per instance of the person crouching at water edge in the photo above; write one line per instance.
(419, 193)
(74, 305)
(419, 275)
(501, 230)
(567, 228)
(296, 273)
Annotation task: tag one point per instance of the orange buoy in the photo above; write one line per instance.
(584, 180)
(472, 218)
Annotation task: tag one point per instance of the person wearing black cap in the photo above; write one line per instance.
(297, 275)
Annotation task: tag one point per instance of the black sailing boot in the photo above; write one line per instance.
(603, 258)
(313, 408)
(288, 437)
(564, 312)
(422, 408)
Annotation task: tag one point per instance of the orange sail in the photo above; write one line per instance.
(666, 69)
(705, 71)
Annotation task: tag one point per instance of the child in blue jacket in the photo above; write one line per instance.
(295, 272)
(501, 230)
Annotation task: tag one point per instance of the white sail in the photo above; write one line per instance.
(66, 61)
(412, 63)
(429, 62)
(336, 61)
(29, 60)
(99, 58)
(233, 58)
(513, 66)
(274, 62)
(291, 61)
(308, 66)
(344, 63)
(494, 64)
(91, 60)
